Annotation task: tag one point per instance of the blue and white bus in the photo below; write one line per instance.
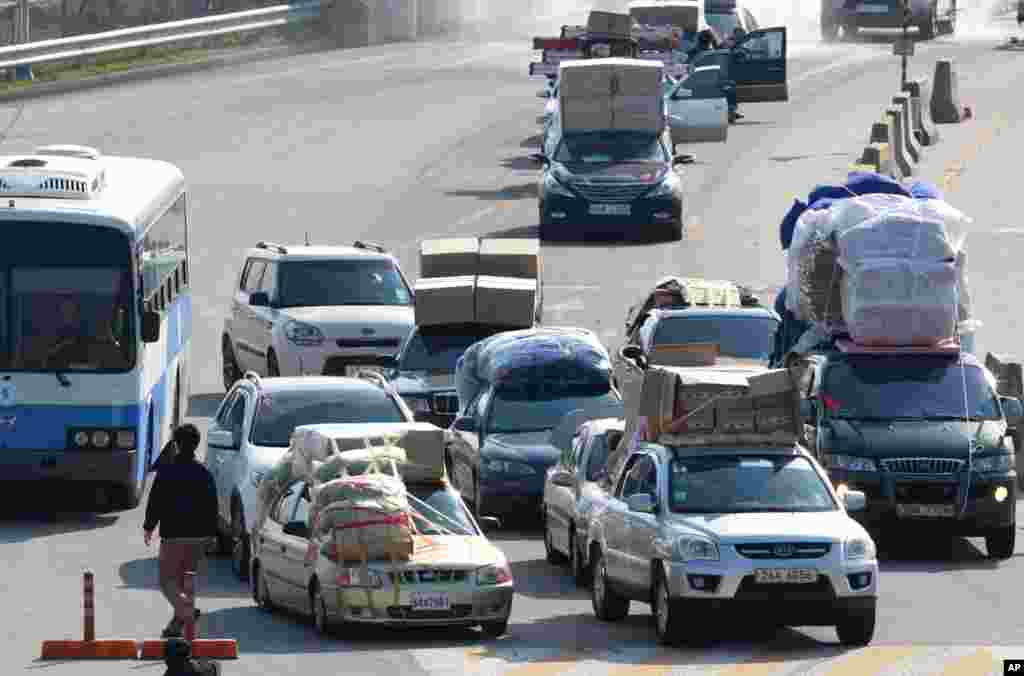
(95, 318)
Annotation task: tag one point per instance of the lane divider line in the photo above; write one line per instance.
(978, 663)
(871, 661)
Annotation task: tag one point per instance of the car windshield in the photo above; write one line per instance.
(526, 411)
(280, 413)
(439, 510)
(737, 337)
(885, 388)
(437, 352)
(341, 282)
(746, 483)
(602, 147)
(724, 23)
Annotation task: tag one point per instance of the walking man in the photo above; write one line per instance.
(183, 502)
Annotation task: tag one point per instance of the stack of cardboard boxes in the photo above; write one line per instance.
(488, 281)
(611, 95)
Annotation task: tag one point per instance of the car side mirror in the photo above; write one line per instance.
(464, 424)
(150, 326)
(563, 479)
(219, 438)
(539, 158)
(1013, 408)
(682, 159)
(855, 501)
(489, 523)
(259, 299)
(641, 502)
(807, 412)
(297, 529)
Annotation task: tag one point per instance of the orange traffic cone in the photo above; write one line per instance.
(89, 647)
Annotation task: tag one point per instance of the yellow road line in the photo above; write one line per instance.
(762, 665)
(654, 666)
(870, 661)
(978, 663)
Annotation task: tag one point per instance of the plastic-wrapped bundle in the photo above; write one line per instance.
(375, 487)
(899, 234)
(901, 302)
(532, 355)
(814, 278)
(358, 462)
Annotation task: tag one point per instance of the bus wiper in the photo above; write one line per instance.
(62, 379)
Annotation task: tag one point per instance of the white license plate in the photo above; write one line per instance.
(926, 511)
(873, 9)
(785, 576)
(610, 210)
(430, 601)
(353, 371)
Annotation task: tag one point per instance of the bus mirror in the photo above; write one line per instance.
(150, 326)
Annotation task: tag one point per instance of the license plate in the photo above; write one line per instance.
(610, 210)
(353, 371)
(873, 9)
(926, 511)
(430, 601)
(785, 576)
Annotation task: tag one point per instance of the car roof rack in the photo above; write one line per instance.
(360, 244)
(253, 378)
(271, 245)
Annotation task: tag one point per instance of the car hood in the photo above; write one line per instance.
(529, 447)
(646, 172)
(349, 321)
(460, 551)
(423, 382)
(833, 526)
(912, 438)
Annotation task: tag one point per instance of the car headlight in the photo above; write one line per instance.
(849, 463)
(256, 478)
(303, 334)
(508, 467)
(1003, 462)
(358, 577)
(418, 404)
(859, 549)
(696, 549)
(667, 187)
(552, 186)
(488, 576)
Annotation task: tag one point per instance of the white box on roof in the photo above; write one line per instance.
(454, 257)
(579, 115)
(510, 258)
(588, 78)
(506, 301)
(611, 23)
(445, 300)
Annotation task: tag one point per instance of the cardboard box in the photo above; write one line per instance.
(611, 23)
(510, 258)
(592, 78)
(424, 451)
(734, 415)
(454, 257)
(445, 300)
(771, 420)
(580, 115)
(771, 382)
(506, 301)
(1008, 373)
(687, 354)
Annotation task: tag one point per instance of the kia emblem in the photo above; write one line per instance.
(782, 551)
(368, 332)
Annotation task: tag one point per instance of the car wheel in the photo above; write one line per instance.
(321, 621)
(554, 556)
(668, 616)
(608, 606)
(239, 545)
(580, 572)
(1000, 543)
(232, 374)
(494, 629)
(857, 629)
(260, 591)
(273, 369)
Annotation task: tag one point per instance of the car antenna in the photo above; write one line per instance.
(307, 238)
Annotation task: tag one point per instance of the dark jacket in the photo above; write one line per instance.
(788, 333)
(183, 501)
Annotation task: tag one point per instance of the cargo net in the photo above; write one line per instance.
(884, 271)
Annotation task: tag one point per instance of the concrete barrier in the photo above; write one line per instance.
(351, 23)
(925, 130)
(877, 157)
(882, 133)
(395, 20)
(902, 101)
(899, 153)
(945, 103)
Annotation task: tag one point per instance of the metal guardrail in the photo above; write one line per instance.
(62, 49)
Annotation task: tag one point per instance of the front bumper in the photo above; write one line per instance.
(975, 507)
(328, 359)
(574, 212)
(469, 605)
(729, 585)
(501, 495)
(75, 466)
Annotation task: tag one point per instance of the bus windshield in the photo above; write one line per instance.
(66, 308)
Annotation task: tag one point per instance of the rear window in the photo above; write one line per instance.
(737, 337)
(278, 414)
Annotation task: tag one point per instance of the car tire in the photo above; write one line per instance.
(674, 231)
(260, 591)
(232, 374)
(857, 628)
(494, 629)
(580, 571)
(273, 368)
(608, 606)
(668, 612)
(240, 550)
(1001, 542)
(553, 556)
(318, 606)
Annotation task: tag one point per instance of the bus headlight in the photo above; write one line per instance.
(81, 439)
(101, 438)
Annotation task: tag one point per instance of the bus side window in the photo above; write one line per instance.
(164, 255)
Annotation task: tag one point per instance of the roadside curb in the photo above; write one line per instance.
(218, 59)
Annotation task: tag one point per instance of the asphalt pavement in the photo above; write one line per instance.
(399, 143)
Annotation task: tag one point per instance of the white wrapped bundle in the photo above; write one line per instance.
(901, 302)
(898, 234)
(814, 279)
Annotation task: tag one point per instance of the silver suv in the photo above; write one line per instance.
(305, 310)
